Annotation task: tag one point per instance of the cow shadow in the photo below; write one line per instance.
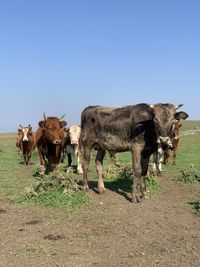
(121, 186)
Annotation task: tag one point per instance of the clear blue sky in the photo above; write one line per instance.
(58, 56)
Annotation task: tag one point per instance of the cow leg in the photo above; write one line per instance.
(99, 169)
(155, 162)
(29, 157)
(137, 170)
(42, 158)
(69, 157)
(160, 159)
(113, 160)
(174, 156)
(85, 166)
(144, 164)
(26, 156)
(79, 163)
(63, 156)
(167, 156)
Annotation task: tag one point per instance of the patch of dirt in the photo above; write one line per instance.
(163, 231)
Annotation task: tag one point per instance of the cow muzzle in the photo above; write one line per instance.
(57, 142)
(74, 142)
(25, 139)
(164, 141)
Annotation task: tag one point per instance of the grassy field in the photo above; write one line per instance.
(14, 176)
(106, 230)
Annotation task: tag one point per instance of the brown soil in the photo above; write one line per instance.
(163, 231)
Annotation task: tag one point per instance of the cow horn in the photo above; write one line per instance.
(29, 125)
(44, 116)
(178, 106)
(61, 118)
(20, 126)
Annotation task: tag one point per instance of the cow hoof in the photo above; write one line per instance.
(102, 191)
(86, 188)
(70, 169)
(80, 171)
(145, 195)
(41, 168)
(135, 199)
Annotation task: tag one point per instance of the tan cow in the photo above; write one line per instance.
(25, 143)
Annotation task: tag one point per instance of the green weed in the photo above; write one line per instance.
(122, 180)
(190, 175)
(195, 205)
(55, 198)
(57, 189)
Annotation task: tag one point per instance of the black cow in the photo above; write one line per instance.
(139, 128)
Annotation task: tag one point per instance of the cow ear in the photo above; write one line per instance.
(41, 124)
(63, 124)
(19, 130)
(181, 115)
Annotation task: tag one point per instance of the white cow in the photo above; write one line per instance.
(158, 159)
(72, 146)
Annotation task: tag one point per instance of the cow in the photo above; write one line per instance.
(25, 142)
(162, 155)
(49, 139)
(158, 159)
(137, 128)
(71, 146)
(175, 143)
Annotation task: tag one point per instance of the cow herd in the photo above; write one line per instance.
(142, 129)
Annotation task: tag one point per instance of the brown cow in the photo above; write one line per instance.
(175, 142)
(163, 153)
(25, 143)
(49, 139)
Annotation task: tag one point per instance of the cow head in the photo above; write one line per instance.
(176, 129)
(164, 118)
(25, 132)
(74, 133)
(53, 129)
